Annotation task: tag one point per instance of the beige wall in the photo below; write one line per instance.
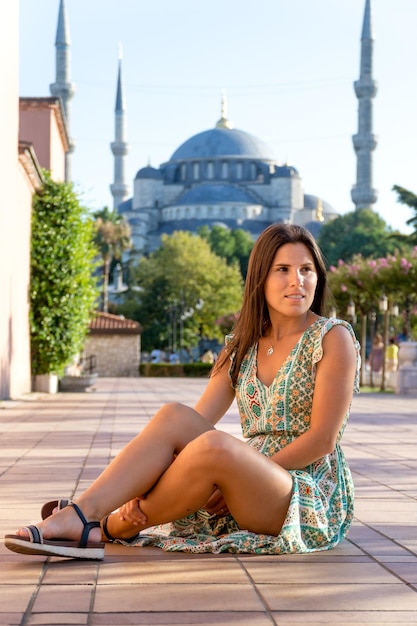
(116, 354)
(15, 213)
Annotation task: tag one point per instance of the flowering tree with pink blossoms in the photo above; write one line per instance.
(364, 283)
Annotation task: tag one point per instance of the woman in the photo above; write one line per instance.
(377, 353)
(292, 372)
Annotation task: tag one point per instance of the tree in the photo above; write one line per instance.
(361, 231)
(112, 237)
(184, 288)
(365, 282)
(233, 245)
(62, 287)
(410, 199)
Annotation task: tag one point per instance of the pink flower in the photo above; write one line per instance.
(405, 265)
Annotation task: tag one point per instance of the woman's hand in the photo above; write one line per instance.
(216, 504)
(131, 512)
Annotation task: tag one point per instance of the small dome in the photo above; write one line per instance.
(148, 172)
(125, 206)
(223, 142)
(312, 202)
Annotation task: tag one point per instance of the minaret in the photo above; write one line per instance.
(119, 147)
(62, 87)
(364, 142)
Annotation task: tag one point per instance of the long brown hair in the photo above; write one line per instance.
(254, 321)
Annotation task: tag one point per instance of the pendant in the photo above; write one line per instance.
(270, 351)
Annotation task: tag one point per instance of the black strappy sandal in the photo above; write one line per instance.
(36, 544)
(48, 507)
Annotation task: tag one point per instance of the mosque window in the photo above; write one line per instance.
(253, 171)
(196, 170)
(183, 171)
(225, 169)
(239, 170)
(210, 169)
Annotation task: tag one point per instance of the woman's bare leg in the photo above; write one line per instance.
(256, 489)
(134, 471)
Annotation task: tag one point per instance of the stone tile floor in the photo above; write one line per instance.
(53, 446)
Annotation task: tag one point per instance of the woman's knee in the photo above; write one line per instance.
(213, 445)
(180, 421)
(170, 411)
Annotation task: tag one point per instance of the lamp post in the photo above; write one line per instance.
(184, 314)
(362, 340)
(351, 315)
(372, 326)
(351, 311)
(384, 309)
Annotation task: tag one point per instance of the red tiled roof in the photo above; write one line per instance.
(108, 323)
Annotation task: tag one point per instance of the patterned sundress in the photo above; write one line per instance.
(321, 507)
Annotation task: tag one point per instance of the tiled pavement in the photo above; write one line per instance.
(54, 446)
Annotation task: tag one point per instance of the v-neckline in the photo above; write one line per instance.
(295, 347)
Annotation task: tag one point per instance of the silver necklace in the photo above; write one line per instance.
(270, 350)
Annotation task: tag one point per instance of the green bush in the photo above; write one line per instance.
(62, 287)
(179, 370)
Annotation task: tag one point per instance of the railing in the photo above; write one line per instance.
(89, 364)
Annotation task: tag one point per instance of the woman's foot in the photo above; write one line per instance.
(112, 526)
(60, 535)
(63, 524)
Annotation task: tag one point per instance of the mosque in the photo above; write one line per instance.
(222, 175)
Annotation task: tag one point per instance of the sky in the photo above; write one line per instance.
(286, 67)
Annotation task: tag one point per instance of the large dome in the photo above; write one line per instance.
(223, 142)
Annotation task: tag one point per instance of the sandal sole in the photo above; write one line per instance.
(56, 548)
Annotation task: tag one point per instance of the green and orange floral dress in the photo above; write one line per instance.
(321, 508)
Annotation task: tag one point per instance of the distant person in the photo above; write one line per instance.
(391, 356)
(288, 487)
(174, 358)
(156, 356)
(207, 357)
(376, 356)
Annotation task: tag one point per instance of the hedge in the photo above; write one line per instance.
(175, 371)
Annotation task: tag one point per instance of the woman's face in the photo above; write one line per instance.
(292, 280)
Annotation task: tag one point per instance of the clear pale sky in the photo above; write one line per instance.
(287, 68)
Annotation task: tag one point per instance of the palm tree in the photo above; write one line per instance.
(112, 237)
(410, 199)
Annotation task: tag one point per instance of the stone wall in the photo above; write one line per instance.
(116, 354)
